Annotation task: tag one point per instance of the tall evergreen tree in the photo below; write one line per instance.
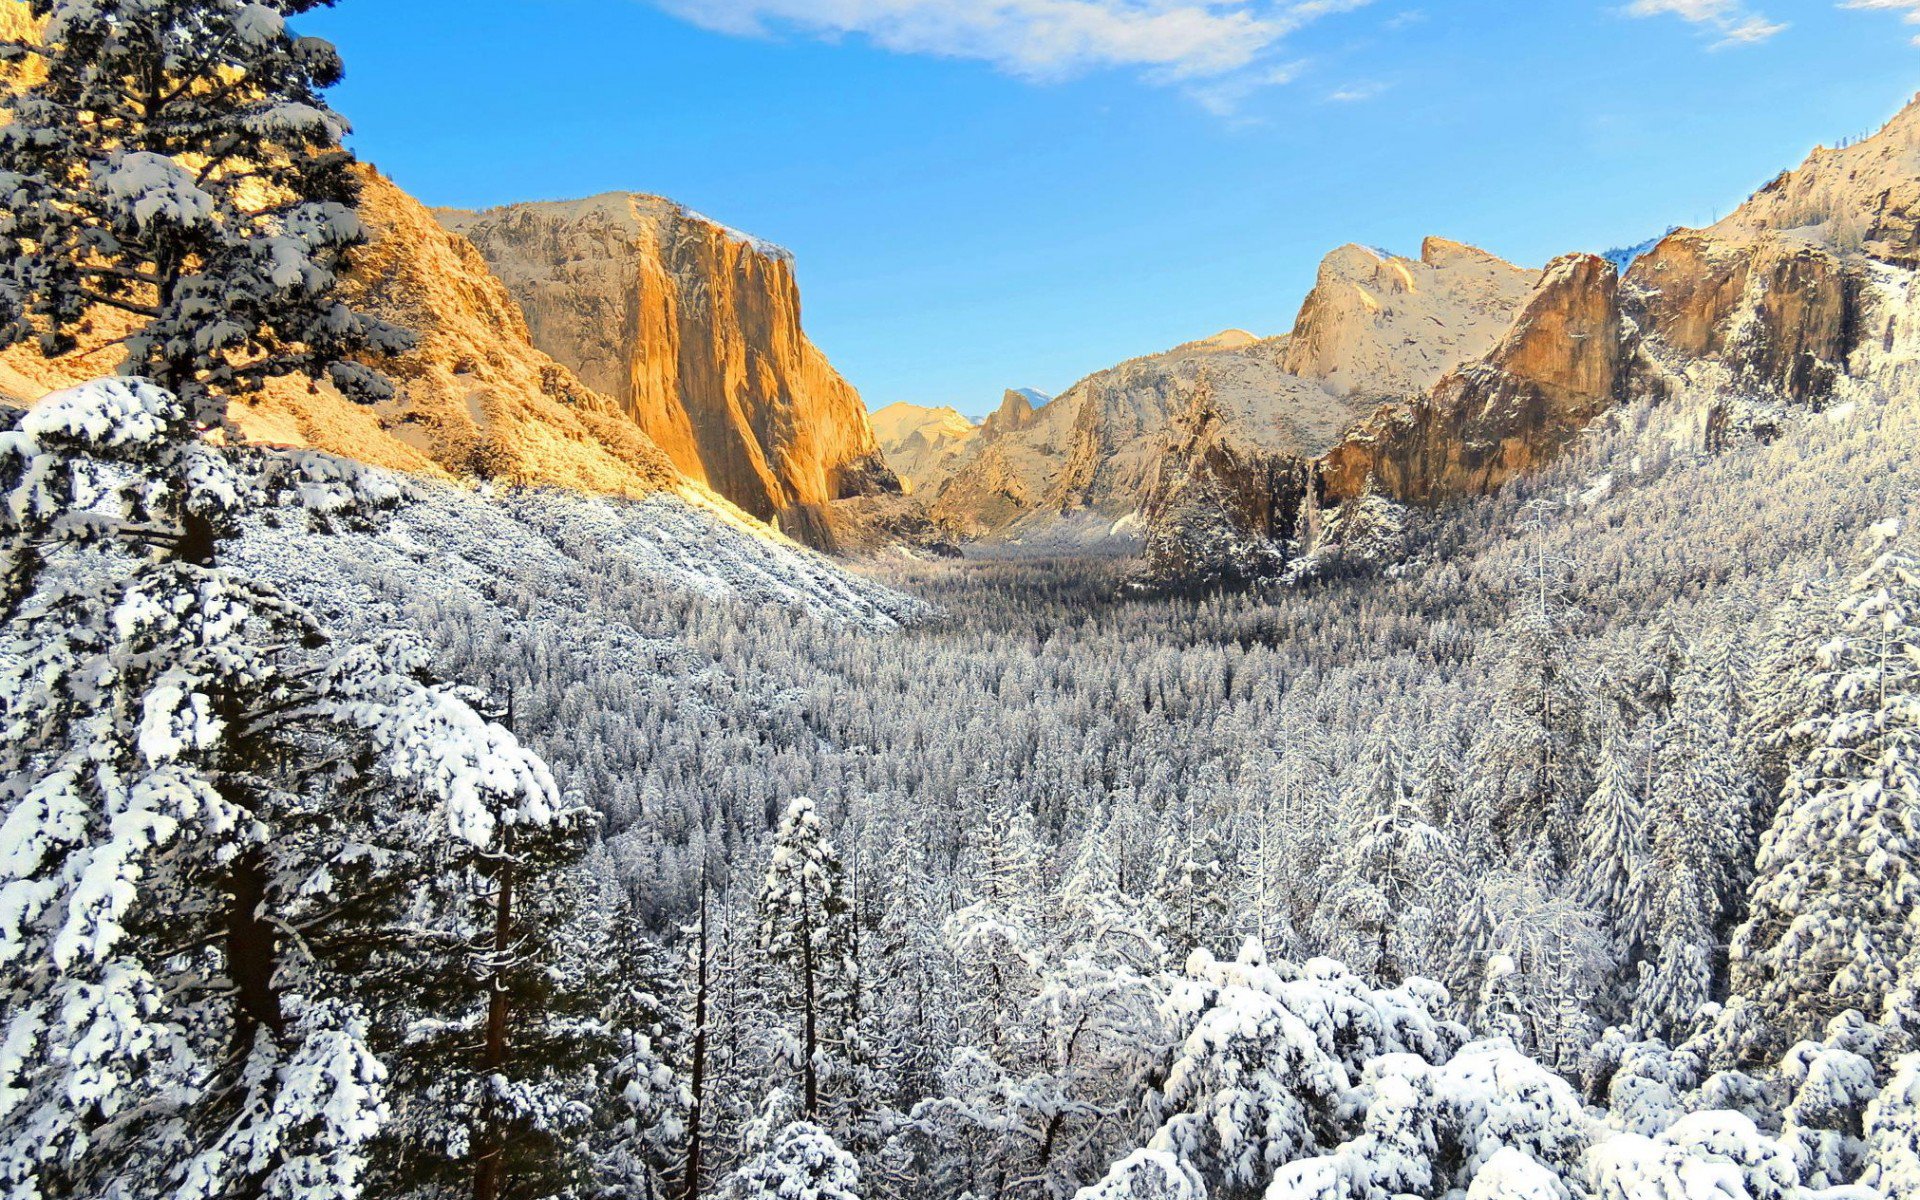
(176, 165)
(1395, 880)
(805, 931)
(1774, 735)
(1529, 767)
(1190, 887)
(212, 825)
(1838, 878)
(1614, 874)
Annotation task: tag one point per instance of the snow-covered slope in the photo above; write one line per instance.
(449, 544)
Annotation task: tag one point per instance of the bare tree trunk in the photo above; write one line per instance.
(490, 1163)
(252, 953)
(695, 1147)
(487, 1167)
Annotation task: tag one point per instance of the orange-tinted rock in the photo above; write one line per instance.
(1564, 362)
(1016, 412)
(695, 332)
(1775, 290)
(474, 395)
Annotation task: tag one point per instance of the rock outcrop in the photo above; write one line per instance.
(475, 398)
(921, 444)
(1129, 441)
(1385, 327)
(694, 331)
(1564, 361)
(1774, 301)
(1775, 292)
(1016, 412)
(1092, 454)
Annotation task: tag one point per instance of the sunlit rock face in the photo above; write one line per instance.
(1775, 291)
(1386, 327)
(1774, 302)
(475, 398)
(694, 331)
(1128, 445)
(922, 444)
(1562, 363)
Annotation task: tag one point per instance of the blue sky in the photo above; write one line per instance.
(986, 194)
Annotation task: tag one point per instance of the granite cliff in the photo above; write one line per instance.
(1116, 450)
(704, 384)
(694, 331)
(922, 444)
(475, 398)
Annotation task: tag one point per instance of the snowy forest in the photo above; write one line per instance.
(363, 836)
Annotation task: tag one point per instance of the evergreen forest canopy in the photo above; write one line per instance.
(366, 837)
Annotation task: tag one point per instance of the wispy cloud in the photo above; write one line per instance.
(1355, 93)
(1909, 9)
(1222, 50)
(1226, 97)
(1732, 20)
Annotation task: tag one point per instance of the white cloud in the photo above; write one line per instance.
(1226, 97)
(1910, 9)
(1736, 24)
(1355, 93)
(1170, 40)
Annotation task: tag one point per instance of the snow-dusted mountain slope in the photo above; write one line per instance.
(449, 544)
(1375, 326)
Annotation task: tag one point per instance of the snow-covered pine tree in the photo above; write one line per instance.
(1470, 950)
(1774, 735)
(912, 974)
(176, 165)
(1190, 888)
(805, 932)
(532, 1038)
(803, 1162)
(1613, 870)
(1892, 1132)
(1529, 767)
(1547, 956)
(1264, 889)
(1838, 875)
(637, 1039)
(210, 823)
(1698, 825)
(1662, 658)
(1394, 881)
(1097, 921)
(995, 939)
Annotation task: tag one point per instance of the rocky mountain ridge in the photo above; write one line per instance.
(1374, 326)
(922, 444)
(1450, 375)
(475, 398)
(708, 388)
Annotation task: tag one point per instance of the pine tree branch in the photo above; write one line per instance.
(126, 273)
(138, 310)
